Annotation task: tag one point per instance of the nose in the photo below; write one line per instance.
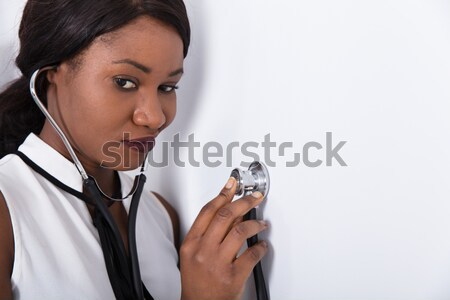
(149, 112)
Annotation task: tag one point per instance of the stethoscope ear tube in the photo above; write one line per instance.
(47, 115)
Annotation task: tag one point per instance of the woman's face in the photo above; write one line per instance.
(119, 93)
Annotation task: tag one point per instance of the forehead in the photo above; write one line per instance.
(145, 39)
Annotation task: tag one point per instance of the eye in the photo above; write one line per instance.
(125, 83)
(168, 88)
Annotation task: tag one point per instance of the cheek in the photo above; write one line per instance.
(77, 98)
(170, 110)
(92, 119)
(94, 107)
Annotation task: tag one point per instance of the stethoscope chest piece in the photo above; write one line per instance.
(256, 178)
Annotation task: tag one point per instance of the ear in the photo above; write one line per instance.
(53, 74)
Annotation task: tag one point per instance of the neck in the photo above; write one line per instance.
(107, 179)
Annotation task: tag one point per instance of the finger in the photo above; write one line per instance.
(226, 215)
(237, 237)
(248, 260)
(235, 222)
(208, 211)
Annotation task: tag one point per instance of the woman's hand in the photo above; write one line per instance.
(210, 268)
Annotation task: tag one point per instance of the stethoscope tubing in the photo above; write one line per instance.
(258, 275)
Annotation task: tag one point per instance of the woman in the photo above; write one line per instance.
(108, 74)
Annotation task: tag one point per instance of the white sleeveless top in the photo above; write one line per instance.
(57, 248)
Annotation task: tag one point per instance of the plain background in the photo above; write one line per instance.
(374, 73)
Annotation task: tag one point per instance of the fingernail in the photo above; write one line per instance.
(262, 222)
(264, 243)
(230, 183)
(257, 195)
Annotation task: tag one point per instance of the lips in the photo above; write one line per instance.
(142, 145)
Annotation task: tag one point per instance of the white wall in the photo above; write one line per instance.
(374, 73)
(10, 14)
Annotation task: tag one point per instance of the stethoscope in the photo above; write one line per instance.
(256, 178)
(123, 270)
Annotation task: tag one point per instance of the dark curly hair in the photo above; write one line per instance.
(53, 31)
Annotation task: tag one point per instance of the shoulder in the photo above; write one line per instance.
(12, 166)
(8, 161)
(6, 250)
(173, 217)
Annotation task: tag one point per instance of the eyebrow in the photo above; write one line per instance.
(176, 72)
(145, 69)
(134, 64)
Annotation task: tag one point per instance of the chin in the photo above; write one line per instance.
(123, 158)
(125, 163)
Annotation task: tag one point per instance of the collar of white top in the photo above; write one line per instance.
(52, 161)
